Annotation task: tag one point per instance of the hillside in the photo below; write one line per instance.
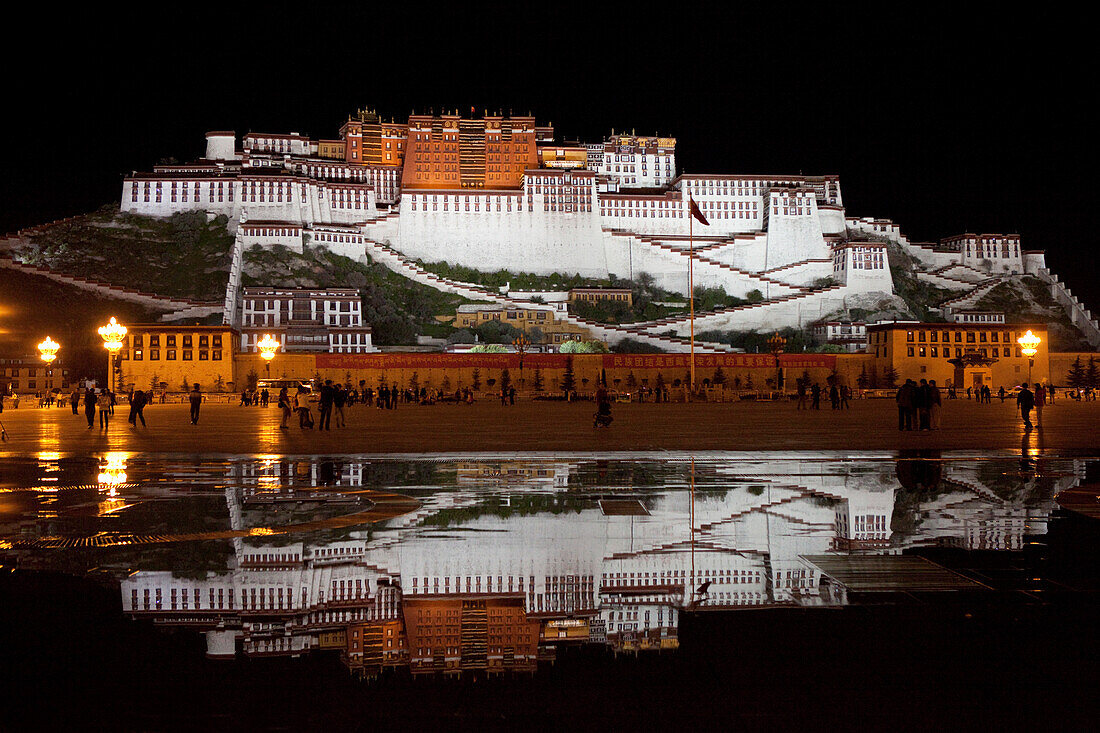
(184, 255)
(1027, 299)
(396, 308)
(33, 307)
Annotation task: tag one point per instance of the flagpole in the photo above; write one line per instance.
(691, 289)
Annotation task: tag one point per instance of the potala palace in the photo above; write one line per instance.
(500, 192)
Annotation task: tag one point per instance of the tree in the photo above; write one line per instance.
(660, 381)
(488, 349)
(862, 380)
(154, 381)
(219, 384)
(754, 296)
(804, 381)
(748, 382)
(631, 380)
(890, 376)
(414, 383)
(1076, 375)
(568, 380)
(719, 378)
(253, 378)
(536, 380)
(446, 383)
(1092, 376)
(185, 385)
(477, 378)
(505, 380)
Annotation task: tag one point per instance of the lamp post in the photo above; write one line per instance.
(521, 343)
(268, 345)
(1029, 345)
(113, 334)
(777, 343)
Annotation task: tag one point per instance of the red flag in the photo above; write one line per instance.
(696, 213)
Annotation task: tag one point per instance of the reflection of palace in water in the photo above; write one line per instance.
(504, 560)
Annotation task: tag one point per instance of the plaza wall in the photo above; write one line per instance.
(458, 369)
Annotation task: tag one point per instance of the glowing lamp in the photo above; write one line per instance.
(113, 334)
(48, 350)
(267, 346)
(1029, 344)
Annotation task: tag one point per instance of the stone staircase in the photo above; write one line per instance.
(609, 333)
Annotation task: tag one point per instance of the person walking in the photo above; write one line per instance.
(284, 405)
(1040, 400)
(325, 406)
(89, 406)
(339, 398)
(301, 404)
(904, 400)
(815, 397)
(935, 404)
(845, 395)
(512, 395)
(801, 395)
(138, 400)
(195, 397)
(1050, 394)
(1001, 393)
(1025, 400)
(74, 399)
(923, 404)
(104, 402)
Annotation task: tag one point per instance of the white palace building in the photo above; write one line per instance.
(499, 192)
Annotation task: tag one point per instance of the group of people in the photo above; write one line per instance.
(919, 405)
(839, 396)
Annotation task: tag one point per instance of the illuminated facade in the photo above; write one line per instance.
(498, 191)
(961, 354)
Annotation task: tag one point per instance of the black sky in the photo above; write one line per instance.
(945, 120)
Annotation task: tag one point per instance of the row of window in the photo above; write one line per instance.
(933, 351)
(205, 340)
(981, 337)
(170, 355)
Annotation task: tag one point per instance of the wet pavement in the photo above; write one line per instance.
(229, 429)
(497, 589)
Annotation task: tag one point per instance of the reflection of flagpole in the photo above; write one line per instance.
(691, 589)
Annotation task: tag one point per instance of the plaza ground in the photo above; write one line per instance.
(556, 426)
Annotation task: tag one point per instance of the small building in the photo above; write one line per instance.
(994, 253)
(959, 354)
(29, 375)
(594, 295)
(305, 320)
(552, 330)
(163, 353)
(851, 335)
(992, 317)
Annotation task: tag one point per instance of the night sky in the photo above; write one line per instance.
(942, 121)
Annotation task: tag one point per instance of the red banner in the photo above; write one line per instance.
(405, 360)
(731, 361)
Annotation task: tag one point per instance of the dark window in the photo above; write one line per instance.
(204, 341)
(958, 336)
(217, 355)
(204, 355)
(171, 340)
(154, 340)
(138, 339)
(187, 355)
(910, 350)
(154, 354)
(217, 341)
(187, 342)
(969, 337)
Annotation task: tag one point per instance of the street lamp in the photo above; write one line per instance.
(113, 334)
(521, 343)
(777, 343)
(1029, 345)
(48, 350)
(268, 345)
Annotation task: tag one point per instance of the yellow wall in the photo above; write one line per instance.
(892, 349)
